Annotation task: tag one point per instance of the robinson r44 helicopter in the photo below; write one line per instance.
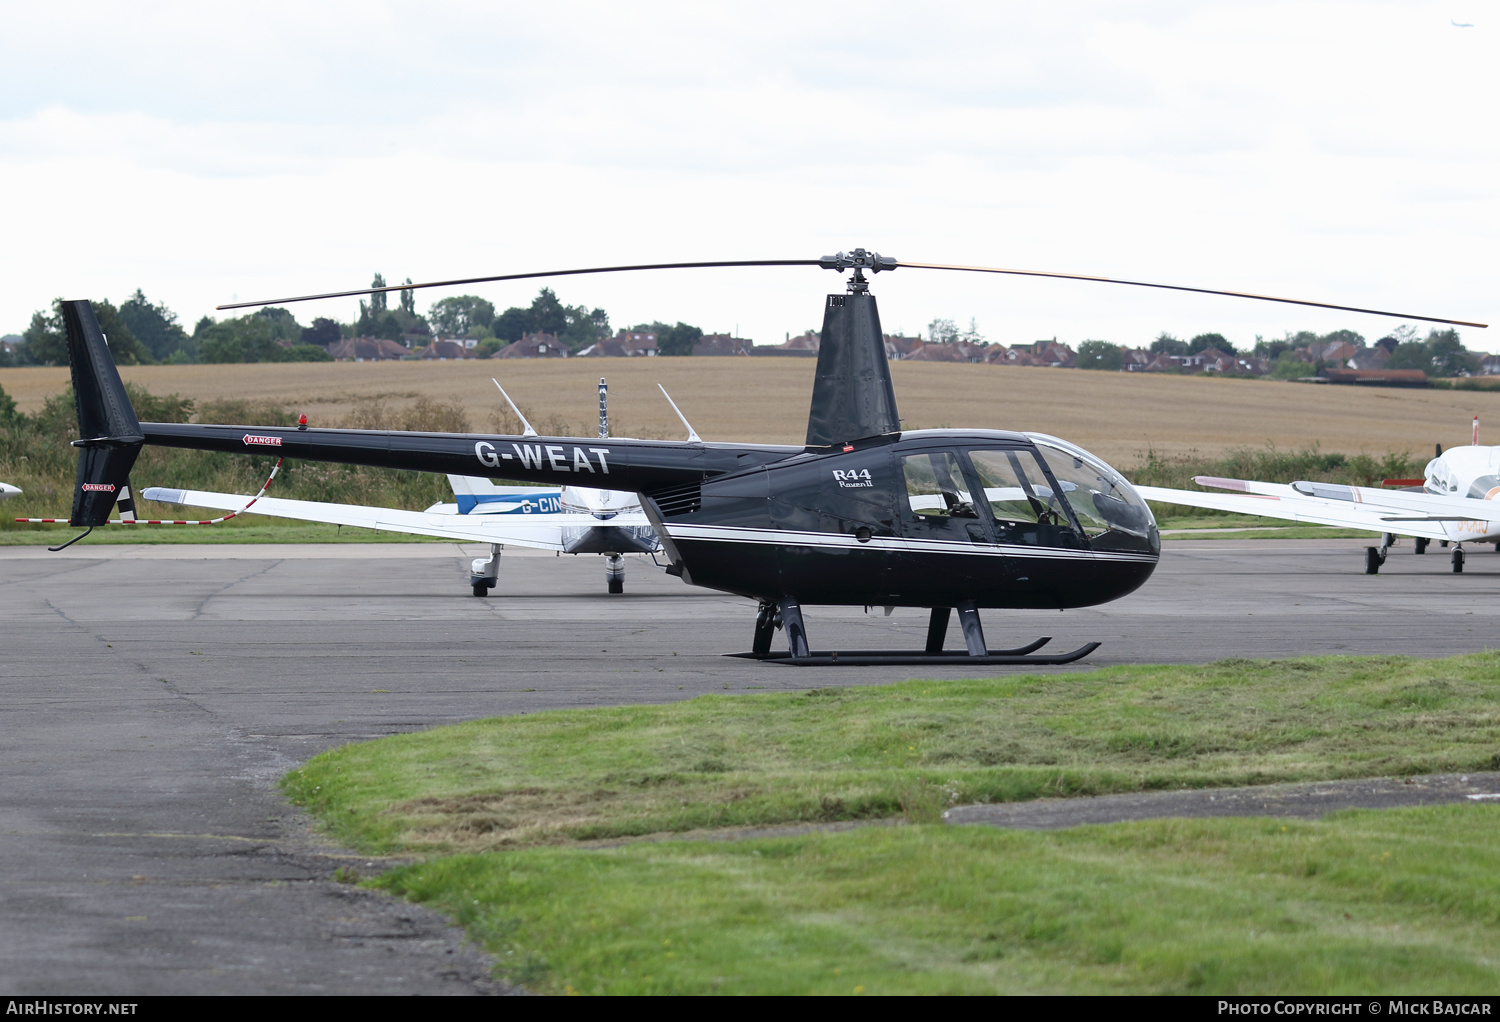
(861, 514)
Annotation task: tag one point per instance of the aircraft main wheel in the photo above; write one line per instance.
(617, 585)
(1443, 543)
(1458, 560)
(1372, 561)
(1419, 545)
(480, 589)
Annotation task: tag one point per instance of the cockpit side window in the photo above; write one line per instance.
(935, 486)
(1016, 489)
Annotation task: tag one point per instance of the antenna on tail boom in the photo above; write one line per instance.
(526, 429)
(693, 437)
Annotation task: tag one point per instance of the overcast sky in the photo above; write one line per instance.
(1343, 152)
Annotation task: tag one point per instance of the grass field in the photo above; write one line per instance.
(909, 749)
(1230, 526)
(1118, 416)
(1360, 902)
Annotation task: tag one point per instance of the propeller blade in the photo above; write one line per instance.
(1194, 290)
(523, 276)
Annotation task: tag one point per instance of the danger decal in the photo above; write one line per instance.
(251, 440)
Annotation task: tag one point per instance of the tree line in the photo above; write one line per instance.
(575, 326)
(142, 332)
(1440, 354)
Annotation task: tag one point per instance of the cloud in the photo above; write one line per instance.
(1331, 150)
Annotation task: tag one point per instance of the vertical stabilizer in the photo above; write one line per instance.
(852, 394)
(109, 436)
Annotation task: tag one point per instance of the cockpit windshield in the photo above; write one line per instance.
(1112, 514)
(1485, 487)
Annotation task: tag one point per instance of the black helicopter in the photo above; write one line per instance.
(863, 514)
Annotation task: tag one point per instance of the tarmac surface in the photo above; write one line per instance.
(1304, 801)
(154, 694)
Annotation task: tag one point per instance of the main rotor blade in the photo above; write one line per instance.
(1195, 290)
(524, 276)
(840, 265)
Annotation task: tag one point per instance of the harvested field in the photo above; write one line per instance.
(1116, 415)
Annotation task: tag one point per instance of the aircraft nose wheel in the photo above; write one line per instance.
(614, 573)
(1419, 545)
(1373, 560)
(484, 572)
(1458, 560)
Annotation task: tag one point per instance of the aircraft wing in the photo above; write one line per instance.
(1434, 506)
(1391, 505)
(543, 531)
(1293, 506)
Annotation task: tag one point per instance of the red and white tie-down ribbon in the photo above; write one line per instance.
(162, 521)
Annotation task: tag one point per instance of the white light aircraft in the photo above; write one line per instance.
(1452, 504)
(7, 491)
(572, 520)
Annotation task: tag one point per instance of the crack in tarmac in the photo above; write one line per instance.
(224, 588)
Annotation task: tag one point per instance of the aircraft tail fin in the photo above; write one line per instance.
(109, 434)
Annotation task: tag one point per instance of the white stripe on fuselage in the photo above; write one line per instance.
(831, 540)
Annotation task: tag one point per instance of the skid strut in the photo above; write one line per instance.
(787, 614)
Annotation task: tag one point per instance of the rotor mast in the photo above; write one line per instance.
(853, 398)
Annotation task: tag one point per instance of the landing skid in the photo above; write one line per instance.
(901, 657)
(787, 615)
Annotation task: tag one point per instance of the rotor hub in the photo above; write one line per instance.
(859, 261)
